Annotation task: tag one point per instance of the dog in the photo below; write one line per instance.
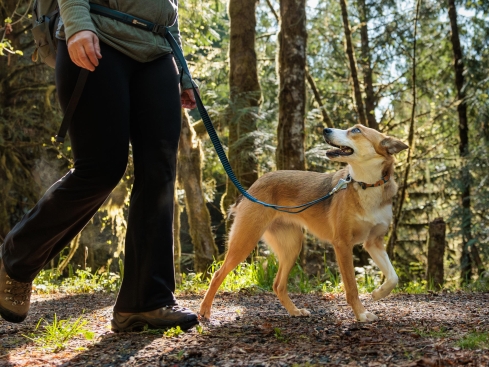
(361, 213)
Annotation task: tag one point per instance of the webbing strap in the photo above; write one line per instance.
(70, 110)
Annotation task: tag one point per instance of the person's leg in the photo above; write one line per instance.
(149, 279)
(99, 134)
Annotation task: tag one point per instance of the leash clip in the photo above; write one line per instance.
(342, 184)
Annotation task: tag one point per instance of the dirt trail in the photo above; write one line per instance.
(250, 329)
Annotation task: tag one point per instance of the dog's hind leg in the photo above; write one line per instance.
(375, 248)
(245, 233)
(285, 239)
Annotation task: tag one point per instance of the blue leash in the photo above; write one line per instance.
(342, 183)
(177, 51)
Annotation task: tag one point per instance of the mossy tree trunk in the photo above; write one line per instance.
(190, 179)
(292, 85)
(436, 253)
(245, 98)
(470, 253)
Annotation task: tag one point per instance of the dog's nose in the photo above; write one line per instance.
(327, 131)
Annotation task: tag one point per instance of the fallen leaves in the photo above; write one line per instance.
(414, 331)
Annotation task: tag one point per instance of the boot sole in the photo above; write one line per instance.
(141, 325)
(9, 316)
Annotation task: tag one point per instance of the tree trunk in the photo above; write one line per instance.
(353, 65)
(400, 201)
(24, 88)
(292, 85)
(463, 130)
(190, 178)
(245, 96)
(436, 253)
(370, 100)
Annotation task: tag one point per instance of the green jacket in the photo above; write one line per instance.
(137, 43)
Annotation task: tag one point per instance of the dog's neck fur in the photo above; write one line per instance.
(368, 173)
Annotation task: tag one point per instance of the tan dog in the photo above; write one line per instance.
(361, 213)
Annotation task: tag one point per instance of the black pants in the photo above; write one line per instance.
(123, 101)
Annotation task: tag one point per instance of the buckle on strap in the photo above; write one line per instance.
(159, 29)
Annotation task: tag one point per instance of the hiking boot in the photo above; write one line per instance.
(162, 318)
(15, 297)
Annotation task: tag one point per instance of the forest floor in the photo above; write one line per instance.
(253, 329)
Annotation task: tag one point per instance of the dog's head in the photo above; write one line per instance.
(360, 144)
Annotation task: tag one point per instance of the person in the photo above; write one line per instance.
(134, 94)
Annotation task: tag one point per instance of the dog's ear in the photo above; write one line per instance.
(392, 145)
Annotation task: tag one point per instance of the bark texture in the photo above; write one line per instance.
(353, 64)
(245, 96)
(402, 196)
(292, 85)
(370, 99)
(470, 256)
(436, 253)
(190, 178)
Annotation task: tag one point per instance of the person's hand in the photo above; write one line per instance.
(188, 99)
(84, 49)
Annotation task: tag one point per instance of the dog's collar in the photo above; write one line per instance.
(380, 182)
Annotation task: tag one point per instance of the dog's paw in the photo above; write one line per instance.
(204, 313)
(367, 317)
(300, 312)
(380, 292)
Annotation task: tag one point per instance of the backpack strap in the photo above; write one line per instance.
(70, 110)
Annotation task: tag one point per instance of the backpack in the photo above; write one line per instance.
(46, 19)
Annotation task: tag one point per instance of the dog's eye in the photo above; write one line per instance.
(355, 130)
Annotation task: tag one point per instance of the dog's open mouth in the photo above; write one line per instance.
(338, 150)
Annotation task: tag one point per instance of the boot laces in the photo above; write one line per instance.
(19, 292)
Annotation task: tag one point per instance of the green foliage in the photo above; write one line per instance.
(54, 336)
(481, 284)
(80, 281)
(173, 332)
(441, 332)
(200, 329)
(279, 335)
(475, 340)
(414, 287)
(259, 275)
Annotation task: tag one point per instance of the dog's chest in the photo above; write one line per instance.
(374, 211)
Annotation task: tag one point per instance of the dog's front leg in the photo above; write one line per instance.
(344, 256)
(375, 248)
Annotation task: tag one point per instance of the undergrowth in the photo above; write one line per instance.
(53, 336)
(475, 340)
(78, 281)
(257, 275)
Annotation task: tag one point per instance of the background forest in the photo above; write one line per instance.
(273, 74)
